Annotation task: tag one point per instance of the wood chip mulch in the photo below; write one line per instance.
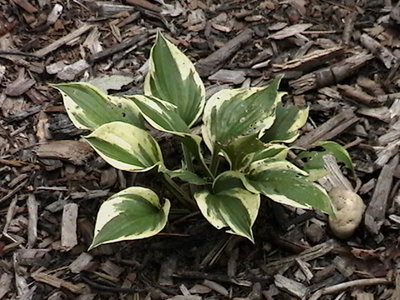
(341, 58)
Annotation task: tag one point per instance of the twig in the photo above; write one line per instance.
(17, 53)
(117, 48)
(347, 285)
(62, 41)
(109, 288)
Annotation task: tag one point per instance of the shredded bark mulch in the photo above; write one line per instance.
(341, 58)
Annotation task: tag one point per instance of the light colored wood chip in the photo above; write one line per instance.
(71, 71)
(216, 287)
(289, 31)
(5, 284)
(32, 220)
(68, 226)
(199, 289)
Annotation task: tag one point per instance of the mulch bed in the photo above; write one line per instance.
(341, 58)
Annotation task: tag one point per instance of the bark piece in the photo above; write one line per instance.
(62, 41)
(306, 255)
(20, 85)
(80, 263)
(5, 284)
(145, 4)
(75, 152)
(209, 65)
(216, 287)
(290, 286)
(335, 178)
(69, 72)
(117, 48)
(32, 221)
(309, 61)
(376, 210)
(111, 269)
(361, 96)
(289, 31)
(26, 5)
(396, 292)
(108, 8)
(56, 282)
(380, 113)
(329, 129)
(167, 269)
(69, 237)
(228, 76)
(348, 27)
(55, 14)
(383, 53)
(330, 75)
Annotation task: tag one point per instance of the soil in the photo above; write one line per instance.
(340, 58)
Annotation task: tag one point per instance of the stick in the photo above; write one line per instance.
(62, 41)
(116, 48)
(212, 63)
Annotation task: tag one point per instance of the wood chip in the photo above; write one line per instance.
(71, 71)
(329, 129)
(69, 237)
(228, 76)
(32, 221)
(5, 284)
(75, 152)
(64, 40)
(289, 31)
(376, 210)
(216, 287)
(209, 65)
(384, 54)
(306, 255)
(290, 286)
(111, 269)
(20, 85)
(26, 5)
(80, 263)
(199, 289)
(56, 282)
(330, 75)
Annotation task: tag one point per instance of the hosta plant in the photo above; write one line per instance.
(247, 132)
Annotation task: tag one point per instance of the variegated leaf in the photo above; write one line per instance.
(288, 120)
(173, 78)
(233, 113)
(126, 147)
(89, 108)
(131, 214)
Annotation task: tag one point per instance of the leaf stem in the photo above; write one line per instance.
(215, 160)
(188, 158)
(177, 191)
